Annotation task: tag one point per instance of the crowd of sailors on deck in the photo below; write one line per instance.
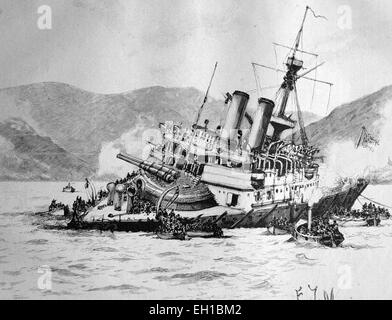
(141, 206)
(80, 205)
(171, 223)
(126, 179)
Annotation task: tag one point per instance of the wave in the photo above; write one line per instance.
(106, 249)
(121, 287)
(167, 254)
(205, 275)
(37, 241)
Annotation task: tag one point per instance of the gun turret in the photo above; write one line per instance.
(158, 170)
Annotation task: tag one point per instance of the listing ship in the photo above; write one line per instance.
(230, 175)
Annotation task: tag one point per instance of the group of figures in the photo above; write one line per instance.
(280, 225)
(141, 206)
(54, 205)
(80, 206)
(370, 213)
(324, 231)
(173, 226)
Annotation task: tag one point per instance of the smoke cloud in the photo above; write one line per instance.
(344, 160)
(134, 142)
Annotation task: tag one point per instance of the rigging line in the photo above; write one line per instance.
(304, 138)
(257, 80)
(293, 130)
(384, 205)
(288, 47)
(206, 94)
(276, 63)
(267, 67)
(263, 88)
(329, 98)
(302, 46)
(278, 93)
(314, 87)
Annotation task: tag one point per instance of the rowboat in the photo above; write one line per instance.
(171, 236)
(69, 188)
(373, 222)
(276, 231)
(350, 221)
(323, 240)
(200, 234)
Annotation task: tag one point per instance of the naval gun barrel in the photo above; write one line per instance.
(158, 170)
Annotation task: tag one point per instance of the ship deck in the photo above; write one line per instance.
(104, 214)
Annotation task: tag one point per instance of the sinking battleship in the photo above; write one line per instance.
(229, 176)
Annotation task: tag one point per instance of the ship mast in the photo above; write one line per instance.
(206, 95)
(280, 121)
(293, 66)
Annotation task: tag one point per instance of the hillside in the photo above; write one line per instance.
(25, 155)
(82, 122)
(88, 129)
(345, 122)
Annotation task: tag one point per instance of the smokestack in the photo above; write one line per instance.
(118, 197)
(260, 124)
(235, 114)
(110, 187)
(130, 195)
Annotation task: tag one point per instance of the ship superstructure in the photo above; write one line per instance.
(247, 168)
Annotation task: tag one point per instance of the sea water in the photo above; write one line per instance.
(42, 262)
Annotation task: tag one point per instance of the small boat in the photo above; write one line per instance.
(323, 240)
(350, 221)
(56, 208)
(57, 212)
(172, 236)
(373, 222)
(69, 188)
(300, 237)
(200, 234)
(276, 231)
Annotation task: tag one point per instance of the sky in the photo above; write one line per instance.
(111, 46)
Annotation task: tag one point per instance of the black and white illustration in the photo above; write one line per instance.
(195, 149)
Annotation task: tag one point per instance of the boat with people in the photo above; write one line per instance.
(171, 236)
(57, 208)
(329, 239)
(276, 231)
(326, 235)
(279, 226)
(350, 221)
(318, 230)
(69, 188)
(370, 215)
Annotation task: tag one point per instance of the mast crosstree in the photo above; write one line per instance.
(280, 120)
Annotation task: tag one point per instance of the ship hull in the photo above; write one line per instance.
(258, 217)
(344, 199)
(230, 218)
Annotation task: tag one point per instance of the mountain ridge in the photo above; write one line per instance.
(81, 122)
